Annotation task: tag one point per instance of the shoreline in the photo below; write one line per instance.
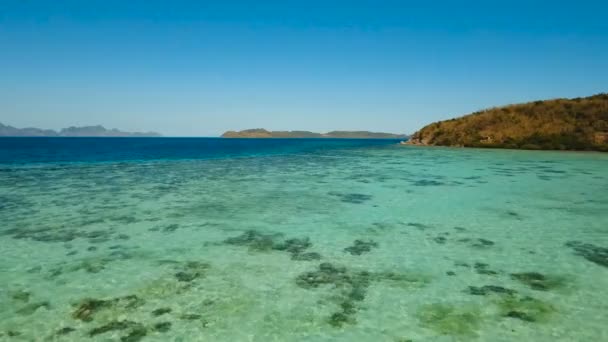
(405, 143)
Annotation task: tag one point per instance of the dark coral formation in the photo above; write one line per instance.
(21, 296)
(191, 270)
(161, 311)
(260, 242)
(353, 198)
(482, 268)
(326, 274)
(420, 226)
(135, 331)
(162, 326)
(440, 239)
(255, 240)
(489, 289)
(94, 264)
(593, 253)
(170, 228)
(538, 281)
(426, 182)
(112, 326)
(482, 243)
(87, 309)
(527, 309)
(308, 256)
(351, 285)
(450, 320)
(294, 246)
(359, 247)
(64, 331)
(58, 234)
(477, 243)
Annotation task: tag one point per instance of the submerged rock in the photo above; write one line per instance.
(593, 253)
(359, 247)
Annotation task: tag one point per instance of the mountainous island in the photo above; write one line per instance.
(559, 124)
(85, 131)
(262, 133)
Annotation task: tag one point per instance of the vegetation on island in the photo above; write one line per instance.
(560, 124)
(262, 133)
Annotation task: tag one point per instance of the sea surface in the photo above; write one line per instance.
(167, 239)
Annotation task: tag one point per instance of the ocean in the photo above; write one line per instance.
(208, 239)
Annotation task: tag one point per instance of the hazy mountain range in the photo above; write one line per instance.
(85, 131)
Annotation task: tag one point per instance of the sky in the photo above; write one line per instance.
(199, 68)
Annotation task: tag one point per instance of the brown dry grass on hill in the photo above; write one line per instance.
(560, 124)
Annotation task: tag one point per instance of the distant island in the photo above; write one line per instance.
(560, 124)
(262, 133)
(85, 131)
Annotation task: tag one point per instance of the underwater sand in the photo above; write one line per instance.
(379, 243)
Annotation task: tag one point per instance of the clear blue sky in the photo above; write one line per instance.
(191, 68)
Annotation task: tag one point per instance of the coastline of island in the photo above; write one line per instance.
(577, 124)
(263, 133)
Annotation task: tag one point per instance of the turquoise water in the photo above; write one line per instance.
(376, 243)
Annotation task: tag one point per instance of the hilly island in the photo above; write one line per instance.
(85, 131)
(262, 133)
(559, 124)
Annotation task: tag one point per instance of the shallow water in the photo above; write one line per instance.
(356, 243)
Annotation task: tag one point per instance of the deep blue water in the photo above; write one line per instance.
(54, 150)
